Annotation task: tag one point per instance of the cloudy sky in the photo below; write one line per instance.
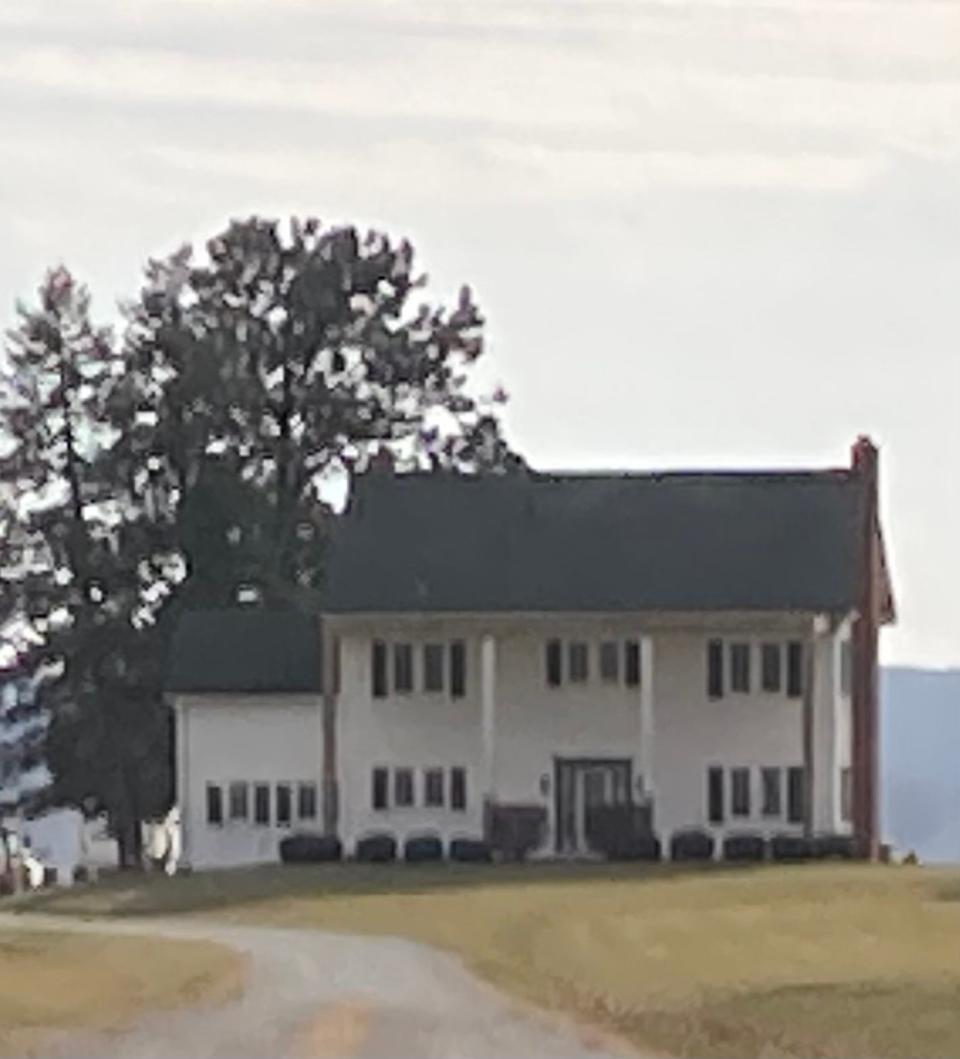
(705, 234)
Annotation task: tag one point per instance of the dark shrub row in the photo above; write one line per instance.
(689, 844)
(380, 848)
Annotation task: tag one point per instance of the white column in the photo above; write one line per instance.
(646, 713)
(488, 704)
(183, 772)
(826, 700)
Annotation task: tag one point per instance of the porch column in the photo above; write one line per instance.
(646, 714)
(488, 703)
(182, 774)
(825, 795)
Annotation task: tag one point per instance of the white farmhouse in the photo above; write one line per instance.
(692, 650)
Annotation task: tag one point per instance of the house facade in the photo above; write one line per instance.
(696, 650)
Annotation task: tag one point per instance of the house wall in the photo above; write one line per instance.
(252, 738)
(535, 723)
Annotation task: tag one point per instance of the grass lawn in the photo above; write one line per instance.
(815, 960)
(55, 985)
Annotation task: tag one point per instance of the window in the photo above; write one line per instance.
(739, 667)
(715, 669)
(283, 804)
(458, 788)
(378, 669)
(403, 787)
(795, 669)
(846, 667)
(631, 663)
(433, 667)
(795, 795)
(261, 803)
(770, 665)
(402, 667)
(238, 801)
(433, 787)
(214, 804)
(378, 794)
(579, 662)
(307, 801)
(609, 662)
(740, 792)
(771, 783)
(458, 669)
(715, 795)
(554, 663)
(846, 794)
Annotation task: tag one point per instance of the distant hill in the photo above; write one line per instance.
(920, 761)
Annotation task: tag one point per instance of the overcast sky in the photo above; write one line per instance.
(705, 234)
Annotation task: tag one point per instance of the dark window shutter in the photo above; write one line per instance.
(283, 803)
(795, 794)
(770, 664)
(379, 791)
(715, 795)
(458, 788)
(631, 663)
(795, 669)
(214, 804)
(740, 792)
(715, 669)
(554, 663)
(261, 803)
(458, 669)
(378, 669)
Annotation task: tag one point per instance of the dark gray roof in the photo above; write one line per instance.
(540, 542)
(245, 650)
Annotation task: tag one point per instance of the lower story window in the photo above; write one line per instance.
(740, 792)
(238, 801)
(771, 783)
(214, 804)
(261, 803)
(283, 804)
(433, 787)
(307, 801)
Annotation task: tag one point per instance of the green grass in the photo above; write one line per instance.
(55, 985)
(842, 960)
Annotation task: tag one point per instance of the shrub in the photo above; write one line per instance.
(310, 849)
(744, 846)
(791, 847)
(691, 844)
(516, 830)
(635, 847)
(81, 873)
(828, 847)
(422, 847)
(49, 876)
(473, 850)
(378, 848)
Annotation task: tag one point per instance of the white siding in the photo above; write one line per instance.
(253, 738)
(693, 732)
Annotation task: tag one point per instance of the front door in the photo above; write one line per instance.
(583, 788)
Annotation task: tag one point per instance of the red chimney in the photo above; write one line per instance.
(864, 752)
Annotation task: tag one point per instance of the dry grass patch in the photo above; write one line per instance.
(805, 961)
(55, 985)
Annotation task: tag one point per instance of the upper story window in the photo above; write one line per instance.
(618, 660)
(775, 677)
(579, 656)
(443, 667)
(740, 667)
(771, 664)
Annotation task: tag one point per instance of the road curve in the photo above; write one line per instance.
(330, 996)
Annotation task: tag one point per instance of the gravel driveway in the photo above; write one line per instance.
(311, 993)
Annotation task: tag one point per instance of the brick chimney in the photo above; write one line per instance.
(864, 751)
